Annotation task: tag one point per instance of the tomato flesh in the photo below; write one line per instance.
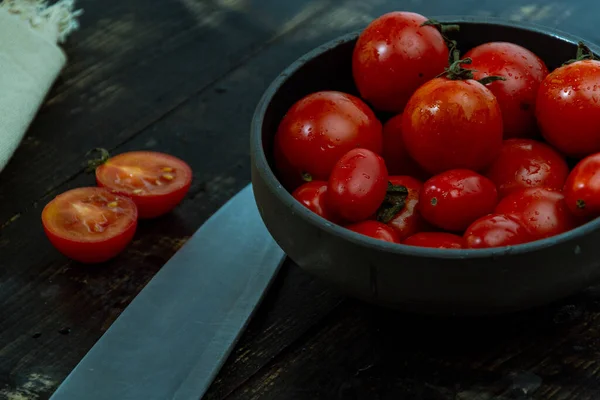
(582, 188)
(156, 182)
(90, 225)
(437, 240)
(375, 229)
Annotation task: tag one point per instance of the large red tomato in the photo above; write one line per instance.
(318, 130)
(582, 189)
(438, 240)
(454, 199)
(496, 230)
(408, 221)
(313, 195)
(375, 229)
(524, 72)
(395, 55)
(450, 124)
(527, 163)
(568, 108)
(357, 185)
(397, 159)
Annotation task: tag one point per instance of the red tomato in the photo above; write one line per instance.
(438, 240)
(90, 225)
(318, 130)
(526, 163)
(582, 189)
(496, 230)
(568, 104)
(156, 182)
(395, 55)
(543, 212)
(397, 159)
(454, 199)
(313, 195)
(375, 229)
(357, 185)
(524, 72)
(450, 124)
(408, 221)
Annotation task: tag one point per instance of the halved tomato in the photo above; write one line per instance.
(156, 182)
(90, 224)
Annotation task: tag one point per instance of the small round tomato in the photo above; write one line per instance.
(90, 225)
(397, 159)
(568, 103)
(454, 199)
(313, 195)
(318, 130)
(524, 72)
(156, 182)
(438, 240)
(375, 229)
(543, 212)
(408, 221)
(395, 55)
(450, 124)
(357, 185)
(496, 230)
(582, 188)
(527, 163)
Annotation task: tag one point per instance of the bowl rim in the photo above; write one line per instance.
(259, 158)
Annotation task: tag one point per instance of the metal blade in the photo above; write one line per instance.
(170, 342)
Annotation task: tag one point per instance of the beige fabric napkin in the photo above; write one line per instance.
(30, 61)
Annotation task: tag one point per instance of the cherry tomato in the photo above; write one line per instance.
(450, 124)
(395, 55)
(438, 240)
(156, 182)
(496, 230)
(543, 212)
(408, 221)
(524, 72)
(375, 229)
(582, 188)
(313, 195)
(527, 163)
(90, 225)
(318, 130)
(454, 199)
(357, 185)
(568, 102)
(397, 159)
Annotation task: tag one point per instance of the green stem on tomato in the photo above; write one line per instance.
(443, 29)
(394, 202)
(583, 53)
(94, 163)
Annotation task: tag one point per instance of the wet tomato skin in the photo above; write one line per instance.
(90, 225)
(396, 157)
(438, 240)
(357, 185)
(408, 221)
(451, 124)
(567, 101)
(318, 130)
(313, 195)
(527, 163)
(395, 55)
(523, 70)
(582, 188)
(454, 199)
(496, 230)
(375, 229)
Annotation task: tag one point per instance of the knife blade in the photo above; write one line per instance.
(170, 342)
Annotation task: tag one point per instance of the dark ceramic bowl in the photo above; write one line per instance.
(437, 281)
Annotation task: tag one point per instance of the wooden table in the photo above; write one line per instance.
(184, 77)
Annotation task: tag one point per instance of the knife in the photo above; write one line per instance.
(170, 342)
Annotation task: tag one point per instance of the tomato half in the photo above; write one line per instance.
(375, 229)
(450, 124)
(395, 55)
(397, 159)
(523, 70)
(90, 225)
(582, 188)
(568, 104)
(313, 195)
(357, 185)
(438, 240)
(496, 230)
(527, 163)
(156, 182)
(317, 131)
(408, 221)
(454, 199)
